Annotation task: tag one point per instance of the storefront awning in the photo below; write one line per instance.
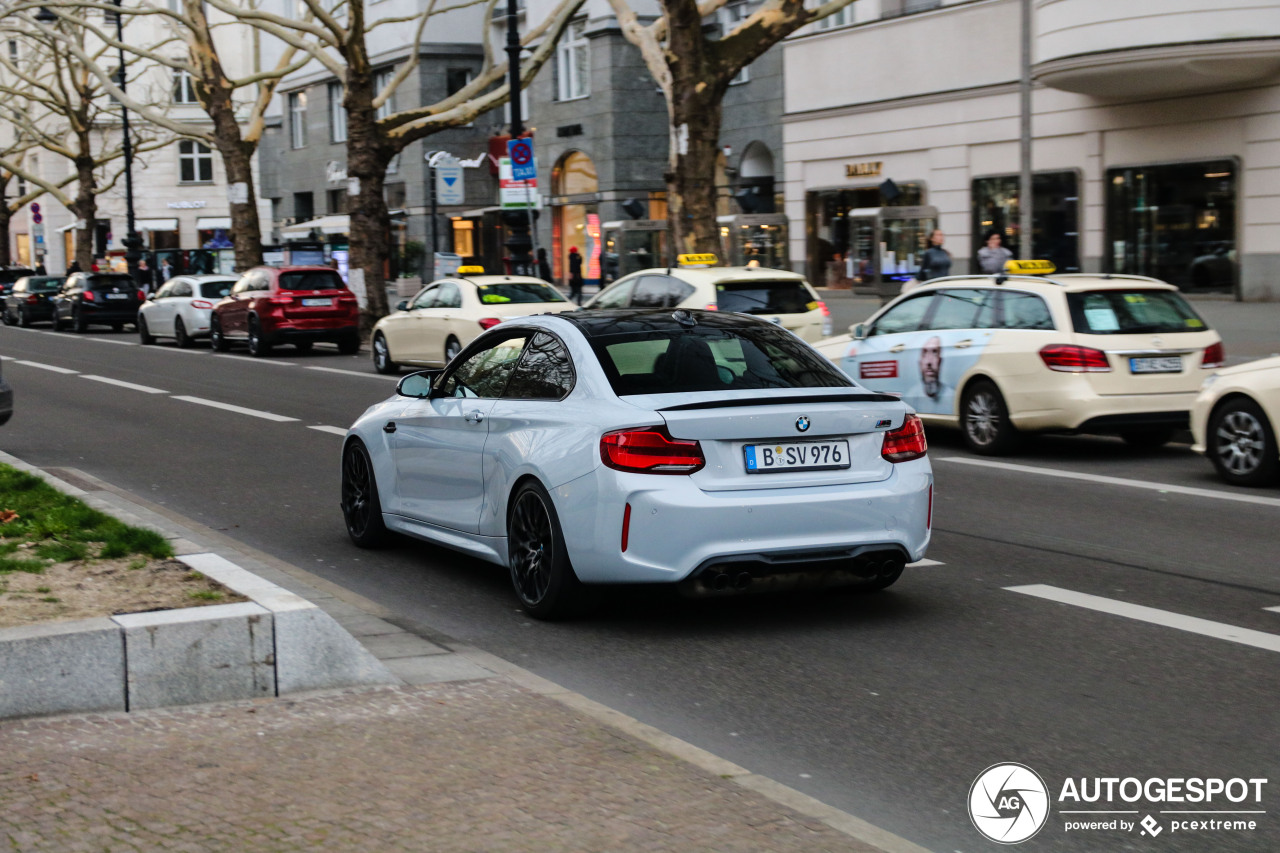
(156, 224)
(211, 223)
(334, 224)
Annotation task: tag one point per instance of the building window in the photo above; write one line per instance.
(394, 195)
(184, 88)
(337, 200)
(1174, 222)
(13, 49)
(304, 207)
(840, 18)
(298, 119)
(896, 8)
(1054, 220)
(464, 237)
(380, 81)
(573, 78)
(337, 114)
(195, 162)
(841, 245)
(732, 14)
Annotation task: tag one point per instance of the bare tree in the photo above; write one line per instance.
(693, 65)
(55, 103)
(337, 37)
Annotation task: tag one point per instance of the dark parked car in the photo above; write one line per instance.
(287, 305)
(97, 299)
(31, 300)
(8, 275)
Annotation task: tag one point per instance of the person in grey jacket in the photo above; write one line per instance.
(992, 257)
(936, 261)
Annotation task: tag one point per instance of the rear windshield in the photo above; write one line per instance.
(215, 289)
(106, 282)
(764, 297)
(311, 280)
(43, 285)
(517, 291)
(1128, 312)
(10, 276)
(705, 358)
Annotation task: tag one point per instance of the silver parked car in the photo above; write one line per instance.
(714, 451)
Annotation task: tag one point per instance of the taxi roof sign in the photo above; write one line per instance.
(471, 270)
(1029, 267)
(701, 259)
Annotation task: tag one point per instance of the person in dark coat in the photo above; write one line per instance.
(936, 261)
(544, 267)
(75, 267)
(575, 275)
(40, 270)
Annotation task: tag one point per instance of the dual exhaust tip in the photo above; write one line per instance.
(721, 581)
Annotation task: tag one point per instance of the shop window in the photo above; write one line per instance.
(831, 238)
(1174, 222)
(195, 162)
(1054, 221)
(464, 237)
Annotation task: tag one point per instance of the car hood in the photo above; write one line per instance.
(1270, 363)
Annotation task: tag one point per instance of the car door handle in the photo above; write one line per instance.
(897, 348)
(967, 342)
(390, 427)
(473, 417)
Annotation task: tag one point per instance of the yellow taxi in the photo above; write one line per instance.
(1234, 422)
(998, 355)
(781, 297)
(446, 315)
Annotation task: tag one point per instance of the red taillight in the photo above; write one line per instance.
(1214, 355)
(142, 295)
(650, 451)
(33, 299)
(489, 322)
(1073, 359)
(88, 296)
(906, 442)
(347, 297)
(711, 306)
(626, 526)
(280, 300)
(826, 312)
(200, 303)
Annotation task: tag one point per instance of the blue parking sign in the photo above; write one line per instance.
(523, 167)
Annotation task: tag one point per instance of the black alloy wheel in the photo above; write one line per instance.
(382, 356)
(180, 335)
(144, 334)
(258, 346)
(5, 318)
(544, 581)
(1242, 443)
(361, 508)
(216, 339)
(984, 420)
(24, 318)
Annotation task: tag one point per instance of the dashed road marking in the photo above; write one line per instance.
(1164, 618)
(112, 341)
(352, 372)
(52, 367)
(1115, 481)
(243, 360)
(1272, 609)
(332, 430)
(925, 563)
(240, 410)
(120, 383)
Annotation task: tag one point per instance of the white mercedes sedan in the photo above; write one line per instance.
(714, 451)
(180, 309)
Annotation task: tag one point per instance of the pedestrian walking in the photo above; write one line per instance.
(74, 267)
(166, 270)
(575, 275)
(144, 276)
(40, 270)
(993, 256)
(936, 261)
(544, 267)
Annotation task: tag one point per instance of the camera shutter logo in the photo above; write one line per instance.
(1008, 803)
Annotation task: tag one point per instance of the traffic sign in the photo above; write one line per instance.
(513, 194)
(523, 168)
(35, 207)
(449, 183)
(36, 217)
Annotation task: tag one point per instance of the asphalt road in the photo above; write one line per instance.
(887, 706)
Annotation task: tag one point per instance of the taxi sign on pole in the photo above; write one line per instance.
(1029, 267)
(523, 167)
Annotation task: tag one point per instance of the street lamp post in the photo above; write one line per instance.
(132, 242)
(519, 223)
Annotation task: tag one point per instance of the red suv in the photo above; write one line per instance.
(287, 305)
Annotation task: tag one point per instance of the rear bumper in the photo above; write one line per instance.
(311, 331)
(103, 314)
(1075, 408)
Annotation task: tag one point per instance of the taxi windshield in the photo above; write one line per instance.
(1130, 312)
(517, 291)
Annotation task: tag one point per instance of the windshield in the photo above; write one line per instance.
(215, 289)
(1128, 312)
(311, 280)
(705, 358)
(764, 297)
(43, 285)
(517, 291)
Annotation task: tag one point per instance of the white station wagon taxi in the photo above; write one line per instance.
(1003, 354)
(1234, 422)
(778, 296)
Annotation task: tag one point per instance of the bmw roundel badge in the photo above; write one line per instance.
(802, 424)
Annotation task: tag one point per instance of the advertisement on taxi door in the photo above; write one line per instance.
(924, 368)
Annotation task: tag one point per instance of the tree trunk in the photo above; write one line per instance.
(86, 210)
(246, 228)
(368, 154)
(5, 216)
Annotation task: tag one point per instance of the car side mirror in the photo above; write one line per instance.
(418, 385)
(402, 305)
(859, 331)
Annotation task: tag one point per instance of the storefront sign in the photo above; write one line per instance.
(513, 194)
(863, 170)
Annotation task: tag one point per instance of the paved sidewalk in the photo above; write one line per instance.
(476, 765)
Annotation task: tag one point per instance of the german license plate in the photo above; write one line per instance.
(1156, 364)
(797, 456)
(117, 295)
(313, 302)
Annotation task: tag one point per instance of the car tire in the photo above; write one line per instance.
(984, 420)
(180, 336)
(4, 317)
(451, 349)
(361, 508)
(24, 318)
(543, 579)
(1241, 443)
(258, 345)
(382, 356)
(57, 322)
(1148, 438)
(78, 322)
(303, 346)
(216, 339)
(144, 334)
(349, 345)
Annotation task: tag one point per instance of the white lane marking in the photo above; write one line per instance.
(1191, 624)
(1272, 609)
(146, 389)
(925, 563)
(1115, 481)
(8, 358)
(252, 360)
(329, 429)
(52, 367)
(352, 372)
(240, 410)
(112, 341)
